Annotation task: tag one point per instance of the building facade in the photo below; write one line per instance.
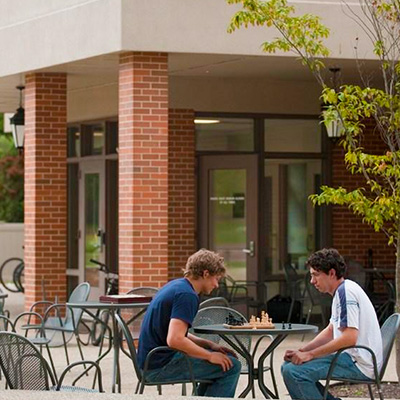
(152, 132)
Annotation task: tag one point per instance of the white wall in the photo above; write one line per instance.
(40, 34)
(11, 241)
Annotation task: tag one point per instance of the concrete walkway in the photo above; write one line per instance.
(15, 303)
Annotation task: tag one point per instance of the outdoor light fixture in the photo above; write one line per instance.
(17, 122)
(206, 121)
(334, 128)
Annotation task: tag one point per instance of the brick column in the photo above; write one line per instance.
(182, 195)
(350, 235)
(143, 169)
(45, 186)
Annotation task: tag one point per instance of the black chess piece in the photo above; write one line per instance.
(290, 325)
(283, 325)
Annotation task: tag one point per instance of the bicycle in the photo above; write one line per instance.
(12, 274)
(99, 328)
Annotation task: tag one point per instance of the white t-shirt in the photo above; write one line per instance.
(352, 308)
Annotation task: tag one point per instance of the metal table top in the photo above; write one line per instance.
(220, 329)
(94, 304)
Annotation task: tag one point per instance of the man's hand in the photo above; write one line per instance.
(298, 357)
(220, 359)
(288, 355)
(222, 349)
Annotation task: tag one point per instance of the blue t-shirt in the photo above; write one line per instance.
(177, 299)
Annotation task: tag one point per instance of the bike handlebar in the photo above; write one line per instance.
(103, 267)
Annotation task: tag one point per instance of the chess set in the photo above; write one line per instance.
(263, 322)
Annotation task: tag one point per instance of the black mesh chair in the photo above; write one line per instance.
(141, 374)
(3, 311)
(295, 284)
(388, 332)
(6, 324)
(135, 322)
(25, 368)
(214, 301)
(219, 315)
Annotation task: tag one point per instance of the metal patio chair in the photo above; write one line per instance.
(214, 301)
(135, 322)
(388, 332)
(25, 368)
(58, 319)
(141, 374)
(295, 283)
(3, 311)
(219, 315)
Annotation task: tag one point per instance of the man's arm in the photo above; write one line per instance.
(208, 344)
(178, 340)
(348, 338)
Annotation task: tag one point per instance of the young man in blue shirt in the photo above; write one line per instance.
(167, 321)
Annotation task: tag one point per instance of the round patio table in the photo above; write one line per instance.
(112, 308)
(279, 333)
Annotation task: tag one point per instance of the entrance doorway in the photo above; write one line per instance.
(91, 224)
(228, 194)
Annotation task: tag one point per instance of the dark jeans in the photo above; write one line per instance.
(223, 383)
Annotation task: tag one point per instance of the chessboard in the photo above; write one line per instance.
(255, 323)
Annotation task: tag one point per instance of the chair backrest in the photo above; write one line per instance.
(22, 364)
(79, 294)
(126, 334)
(214, 301)
(6, 324)
(388, 332)
(218, 315)
(144, 290)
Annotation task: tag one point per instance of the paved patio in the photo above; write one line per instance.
(15, 305)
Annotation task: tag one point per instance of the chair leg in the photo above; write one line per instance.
(184, 393)
(159, 390)
(65, 347)
(51, 360)
(137, 387)
(371, 394)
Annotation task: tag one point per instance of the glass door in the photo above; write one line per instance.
(228, 211)
(92, 223)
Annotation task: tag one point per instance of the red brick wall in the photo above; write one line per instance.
(45, 185)
(143, 169)
(350, 235)
(182, 195)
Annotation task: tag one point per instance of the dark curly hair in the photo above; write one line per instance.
(326, 259)
(204, 260)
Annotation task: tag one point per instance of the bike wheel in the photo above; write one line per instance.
(99, 328)
(19, 277)
(7, 271)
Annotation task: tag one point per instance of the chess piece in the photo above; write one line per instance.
(290, 325)
(283, 325)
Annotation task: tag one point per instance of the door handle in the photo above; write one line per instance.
(251, 250)
(101, 239)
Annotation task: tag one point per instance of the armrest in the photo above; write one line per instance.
(39, 303)
(334, 362)
(164, 349)
(56, 307)
(84, 362)
(28, 326)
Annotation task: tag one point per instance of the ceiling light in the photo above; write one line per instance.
(207, 121)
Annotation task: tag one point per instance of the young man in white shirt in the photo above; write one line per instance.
(353, 322)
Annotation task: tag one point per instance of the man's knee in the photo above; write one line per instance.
(288, 370)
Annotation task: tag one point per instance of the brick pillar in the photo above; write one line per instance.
(182, 199)
(350, 235)
(45, 186)
(143, 169)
